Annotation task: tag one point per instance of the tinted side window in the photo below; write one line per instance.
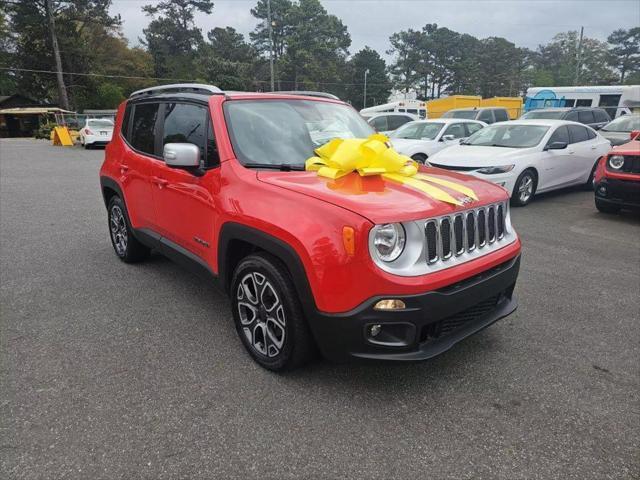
(572, 116)
(184, 123)
(144, 127)
(601, 116)
(591, 134)
(379, 123)
(125, 121)
(213, 157)
(457, 130)
(472, 128)
(501, 115)
(397, 121)
(485, 116)
(578, 134)
(560, 135)
(585, 116)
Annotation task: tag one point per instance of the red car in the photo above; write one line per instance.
(359, 266)
(617, 177)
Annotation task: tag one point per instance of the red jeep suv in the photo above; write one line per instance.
(352, 266)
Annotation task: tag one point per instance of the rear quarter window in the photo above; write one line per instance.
(601, 116)
(143, 128)
(578, 134)
(124, 129)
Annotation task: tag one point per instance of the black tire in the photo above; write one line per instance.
(252, 304)
(606, 207)
(589, 183)
(131, 250)
(518, 199)
(419, 157)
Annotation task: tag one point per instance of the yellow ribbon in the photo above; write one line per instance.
(374, 156)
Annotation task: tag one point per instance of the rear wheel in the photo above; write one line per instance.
(268, 314)
(606, 207)
(127, 247)
(524, 189)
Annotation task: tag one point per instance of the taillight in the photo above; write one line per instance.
(88, 132)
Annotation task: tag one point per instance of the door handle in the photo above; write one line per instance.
(571, 152)
(161, 182)
(593, 147)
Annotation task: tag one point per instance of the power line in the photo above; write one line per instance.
(132, 77)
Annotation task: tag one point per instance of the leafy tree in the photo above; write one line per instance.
(172, 37)
(378, 84)
(7, 78)
(405, 49)
(624, 54)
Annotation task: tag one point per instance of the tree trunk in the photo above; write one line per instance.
(62, 90)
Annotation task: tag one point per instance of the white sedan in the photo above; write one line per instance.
(528, 156)
(421, 139)
(97, 131)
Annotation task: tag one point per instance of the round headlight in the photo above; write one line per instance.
(388, 241)
(616, 162)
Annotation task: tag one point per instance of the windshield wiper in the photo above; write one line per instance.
(283, 167)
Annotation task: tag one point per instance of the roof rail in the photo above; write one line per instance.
(178, 87)
(307, 93)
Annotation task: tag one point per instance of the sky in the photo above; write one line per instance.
(527, 23)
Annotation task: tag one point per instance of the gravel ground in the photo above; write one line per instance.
(135, 371)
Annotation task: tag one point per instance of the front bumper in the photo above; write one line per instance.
(431, 323)
(624, 193)
(505, 180)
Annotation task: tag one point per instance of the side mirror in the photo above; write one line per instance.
(448, 138)
(181, 155)
(556, 146)
(634, 135)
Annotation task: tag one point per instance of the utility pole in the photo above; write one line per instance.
(62, 90)
(364, 102)
(579, 57)
(270, 42)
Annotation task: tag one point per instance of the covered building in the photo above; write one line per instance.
(21, 116)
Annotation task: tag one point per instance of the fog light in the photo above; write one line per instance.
(375, 330)
(390, 304)
(602, 190)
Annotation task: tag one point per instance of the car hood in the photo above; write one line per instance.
(471, 156)
(616, 138)
(384, 201)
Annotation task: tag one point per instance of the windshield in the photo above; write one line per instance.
(418, 131)
(100, 123)
(625, 124)
(468, 114)
(544, 115)
(508, 135)
(286, 132)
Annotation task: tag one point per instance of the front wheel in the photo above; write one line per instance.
(524, 189)
(268, 315)
(420, 158)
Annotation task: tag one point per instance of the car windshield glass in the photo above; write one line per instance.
(625, 123)
(545, 115)
(468, 114)
(286, 132)
(100, 123)
(508, 135)
(418, 131)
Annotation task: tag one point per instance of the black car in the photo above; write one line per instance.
(594, 117)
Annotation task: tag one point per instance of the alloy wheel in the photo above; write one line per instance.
(118, 228)
(525, 189)
(261, 314)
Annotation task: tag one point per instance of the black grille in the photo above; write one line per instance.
(482, 234)
(500, 221)
(431, 233)
(492, 224)
(471, 231)
(454, 322)
(458, 233)
(445, 233)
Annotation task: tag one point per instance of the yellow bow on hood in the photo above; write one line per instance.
(374, 156)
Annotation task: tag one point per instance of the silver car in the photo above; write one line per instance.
(617, 131)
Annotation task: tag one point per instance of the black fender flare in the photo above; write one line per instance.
(286, 253)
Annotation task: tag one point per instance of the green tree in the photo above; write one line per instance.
(172, 37)
(378, 84)
(7, 78)
(405, 50)
(624, 54)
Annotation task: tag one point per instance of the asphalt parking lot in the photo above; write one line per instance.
(135, 371)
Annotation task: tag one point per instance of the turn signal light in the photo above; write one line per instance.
(349, 240)
(390, 304)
